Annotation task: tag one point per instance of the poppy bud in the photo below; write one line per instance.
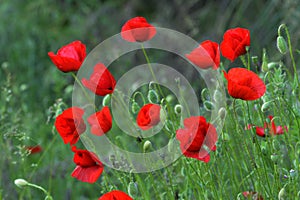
(178, 109)
(222, 113)
(281, 194)
(152, 96)
(264, 65)
(132, 189)
(147, 145)
(205, 94)
(274, 158)
(254, 60)
(106, 100)
(135, 107)
(209, 106)
(272, 65)
(281, 45)
(218, 96)
(169, 98)
(266, 106)
(276, 145)
(293, 173)
(20, 182)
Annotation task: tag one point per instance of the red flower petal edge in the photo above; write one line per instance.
(137, 29)
(34, 149)
(115, 195)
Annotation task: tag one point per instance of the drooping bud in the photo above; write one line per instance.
(222, 112)
(106, 100)
(264, 65)
(281, 45)
(209, 106)
(132, 189)
(152, 96)
(178, 109)
(281, 194)
(147, 145)
(135, 107)
(20, 182)
(266, 106)
(272, 65)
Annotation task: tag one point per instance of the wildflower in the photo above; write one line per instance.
(69, 57)
(100, 122)
(70, 124)
(101, 81)
(244, 84)
(148, 116)
(197, 138)
(115, 195)
(235, 42)
(206, 55)
(137, 29)
(88, 166)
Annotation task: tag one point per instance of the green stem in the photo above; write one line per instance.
(83, 89)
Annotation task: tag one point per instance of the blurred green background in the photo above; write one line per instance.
(30, 83)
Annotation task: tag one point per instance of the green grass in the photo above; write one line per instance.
(31, 85)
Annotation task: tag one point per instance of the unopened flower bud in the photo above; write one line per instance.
(106, 100)
(147, 145)
(281, 45)
(218, 96)
(170, 98)
(264, 65)
(266, 106)
(222, 112)
(21, 182)
(255, 60)
(178, 109)
(293, 173)
(209, 106)
(153, 96)
(135, 107)
(281, 194)
(205, 95)
(132, 189)
(272, 65)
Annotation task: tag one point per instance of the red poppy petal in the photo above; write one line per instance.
(260, 131)
(115, 195)
(87, 174)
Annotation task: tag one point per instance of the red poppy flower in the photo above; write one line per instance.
(115, 195)
(137, 30)
(70, 57)
(101, 81)
(70, 124)
(100, 122)
(88, 166)
(273, 129)
(34, 149)
(206, 55)
(235, 42)
(252, 195)
(197, 137)
(244, 84)
(148, 116)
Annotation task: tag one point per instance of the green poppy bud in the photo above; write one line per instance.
(178, 109)
(272, 65)
(222, 112)
(135, 107)
(281, 45)
(147, 145)
(266, 106)
(170, 98)
(209, 106)
(281, 194)
(205, 95)
(132, 189)
(153, 96)
(20, 182)
(106, 100)
(264, 65)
